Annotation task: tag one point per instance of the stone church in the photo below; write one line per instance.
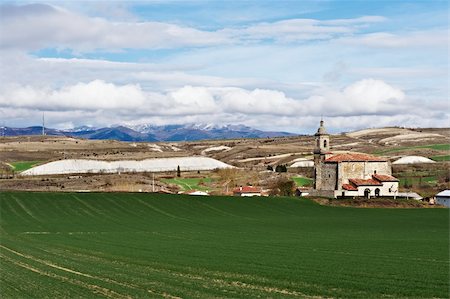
(350, 173)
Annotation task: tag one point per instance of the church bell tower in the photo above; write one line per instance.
(322, 147)
(322, 140)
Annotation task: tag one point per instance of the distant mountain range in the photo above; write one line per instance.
(147, 132)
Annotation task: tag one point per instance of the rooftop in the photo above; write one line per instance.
(384, 178)
(444, 193)
(349, 187)
(247, 189)
(354, 157)
(362, 182)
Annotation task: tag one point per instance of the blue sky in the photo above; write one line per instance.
(358, 63)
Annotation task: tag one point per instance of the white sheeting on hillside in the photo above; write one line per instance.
(149, 165)
(413, 160)
(304, 163)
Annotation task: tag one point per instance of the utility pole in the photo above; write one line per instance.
(43, 124)
(153, 183)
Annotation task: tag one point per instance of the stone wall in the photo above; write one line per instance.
(329, 176)
(360, 170)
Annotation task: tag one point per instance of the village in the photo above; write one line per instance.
(325, 166)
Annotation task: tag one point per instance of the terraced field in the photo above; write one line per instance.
(58, 245)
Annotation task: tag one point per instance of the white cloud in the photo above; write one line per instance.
(428, 39)
(293, 30)
(82, 96)
(44, 26)
(363, 100)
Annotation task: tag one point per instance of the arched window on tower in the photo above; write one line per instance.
(325, 144)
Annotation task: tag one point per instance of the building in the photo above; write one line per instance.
(350, 173)
(443, 198)
(247, 191)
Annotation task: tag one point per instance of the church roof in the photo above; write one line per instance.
(362, 182)
(349, 187)
(384, 178)
(354, 157)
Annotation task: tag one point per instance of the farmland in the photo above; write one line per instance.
(302, 181)
(437, 147)
(165, 246)
(23, 165)
(190, 183)
(441, 158)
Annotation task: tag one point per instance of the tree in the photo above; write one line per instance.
(283, 186)
(281, 168)
(178, 171)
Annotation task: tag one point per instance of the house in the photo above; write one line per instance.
(443, 198)
(247, 191)
(350, 173)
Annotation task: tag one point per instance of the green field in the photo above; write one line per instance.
(301, 181)
(441, 158)
(189, 183)
(67, 245)
(416, 181)
(23, 165)
(439, 147)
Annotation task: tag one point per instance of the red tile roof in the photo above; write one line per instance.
(349, 187)
(354, 157)
(384, 178)
(362, 182)
(247, 189)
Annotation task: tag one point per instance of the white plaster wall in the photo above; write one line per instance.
(445, 201)
(250, 194)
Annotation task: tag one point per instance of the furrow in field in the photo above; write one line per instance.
(92, 287)
(7, 206)
(68, 270)
(162, 212)
(89, 209)
(215, 279)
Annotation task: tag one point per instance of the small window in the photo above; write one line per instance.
(375, 171)
(325, 143)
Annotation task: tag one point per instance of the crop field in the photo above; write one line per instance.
(438, 147)
(441, 158)
(301, 181)
(190, 183)
(103, 245)
(23, 165)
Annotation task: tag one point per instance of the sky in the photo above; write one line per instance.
(272, 65)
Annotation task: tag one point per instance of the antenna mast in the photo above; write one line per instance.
(43, 124)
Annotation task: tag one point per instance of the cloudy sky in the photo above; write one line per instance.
(272, 65)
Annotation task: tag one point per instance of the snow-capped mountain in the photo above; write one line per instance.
(149, 132)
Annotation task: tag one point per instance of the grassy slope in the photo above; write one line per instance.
(441, 158)
(111, 245)
(439, 147)
(301, 181)
(23, 165)
(189, 183)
